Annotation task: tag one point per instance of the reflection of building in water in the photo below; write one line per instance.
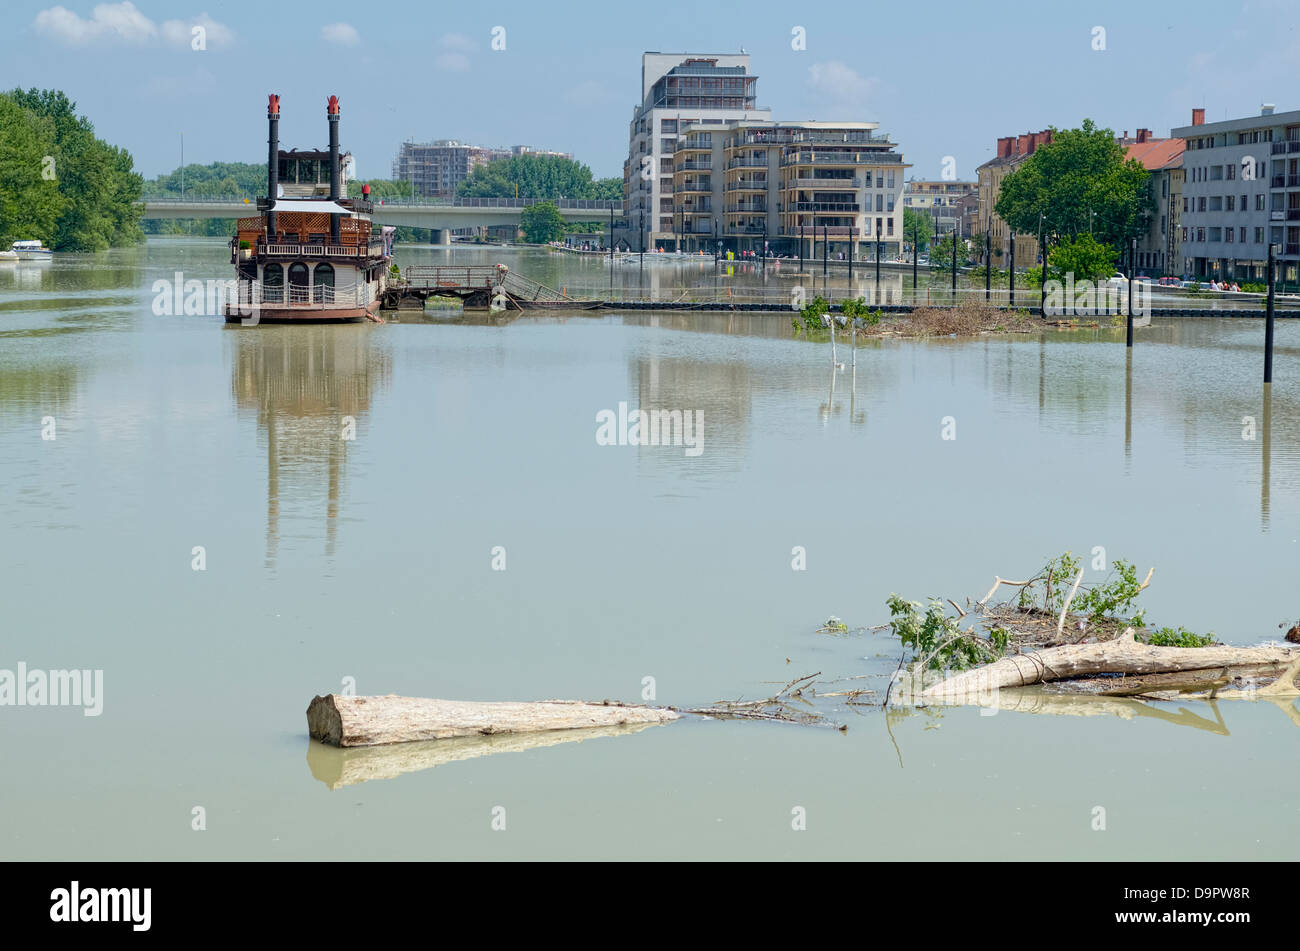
(720, 392)
(304, 382)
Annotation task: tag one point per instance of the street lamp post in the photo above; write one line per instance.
(877, 260)
(914, 240)
(1011, 302)
(1268, 321)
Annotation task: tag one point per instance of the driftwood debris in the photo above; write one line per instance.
(1123, 655)
(375, 721)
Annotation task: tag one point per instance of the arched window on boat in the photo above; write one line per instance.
(323, 284)
(273, 284)
(299, 283)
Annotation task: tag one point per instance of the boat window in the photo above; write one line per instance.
(323, 284)
(273, 283)
(299, 283)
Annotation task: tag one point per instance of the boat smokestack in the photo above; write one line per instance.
(272, 158)
(335, 184)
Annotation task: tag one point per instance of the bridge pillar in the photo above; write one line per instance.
(440, 236)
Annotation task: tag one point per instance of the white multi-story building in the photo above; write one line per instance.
(741, 183)
(677, 90)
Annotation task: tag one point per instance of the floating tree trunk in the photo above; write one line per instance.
(373, 721)
(1123, 655)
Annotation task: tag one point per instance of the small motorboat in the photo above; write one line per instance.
(31, 251)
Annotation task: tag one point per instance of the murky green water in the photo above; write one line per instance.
(372, 559)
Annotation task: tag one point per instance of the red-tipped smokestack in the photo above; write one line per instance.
(332, 114)
(272, 158)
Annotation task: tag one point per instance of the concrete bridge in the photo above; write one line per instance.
(442, 216)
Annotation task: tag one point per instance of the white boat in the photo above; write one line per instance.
(31, 251)
(8, 257)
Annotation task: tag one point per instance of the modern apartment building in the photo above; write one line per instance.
(833, 183)
(1241, 192)
(1158, 249)
(436, 169)
(941, 200)
(1012, 152)
(677, 90)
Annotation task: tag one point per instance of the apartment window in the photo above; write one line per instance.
(667, 145)
(890, 226)
(890, 179)
(1243, 235)
(1226, 237)
(1185, 200)
(1216, 234)
(1200, 204)
(1216, 203)
(1244, 206)
(1163, 229)
(1259, 235)
(1164, 188)
(1184, 235)
(668, 126)
(1259, 202)
(889, 205)
(867, 178)
(1231, 203)
(880, 202)
(1200, 234)
(1231, 171)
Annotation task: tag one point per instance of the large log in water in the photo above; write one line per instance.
(373, 721)
(1123, 655)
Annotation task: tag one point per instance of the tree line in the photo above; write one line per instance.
(59, 183)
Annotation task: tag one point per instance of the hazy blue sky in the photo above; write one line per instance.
(942, 79)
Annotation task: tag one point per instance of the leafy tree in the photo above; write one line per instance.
(941, 252)
(96, 183)
(542, 222)
(1078, 183)
(923, 225)
(30, 205)
(381, 188)
(536, 176)
(1084, 256)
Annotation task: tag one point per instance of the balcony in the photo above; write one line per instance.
(747, 186)
(822, 207)
(748, 163)
(1278, 181)
(686, 145)
(1291, 250)
(823, 184)
(373, 248)
(747, 208)
(692, 187)
(746, 229)
(705, 163)
(841, 158)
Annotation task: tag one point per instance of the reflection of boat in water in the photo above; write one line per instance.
(27, 251)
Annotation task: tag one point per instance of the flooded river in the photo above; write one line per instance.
(475, 540)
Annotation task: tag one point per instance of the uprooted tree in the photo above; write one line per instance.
(1104, 646)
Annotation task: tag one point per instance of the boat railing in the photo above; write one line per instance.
(303, 295)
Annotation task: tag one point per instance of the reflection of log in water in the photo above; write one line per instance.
(338, 767)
